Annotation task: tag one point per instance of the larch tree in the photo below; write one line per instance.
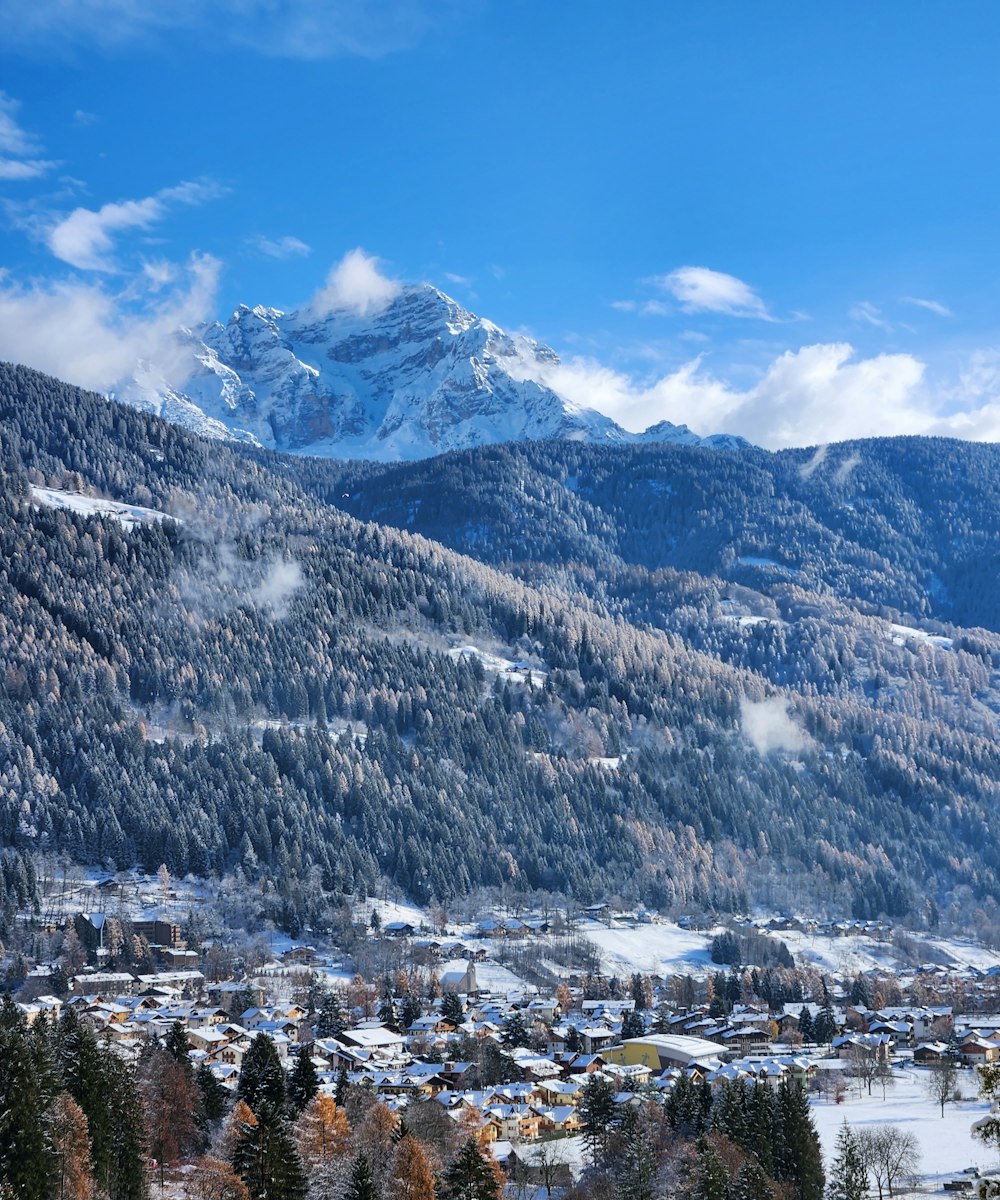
(410, 1174)
(71, 1144)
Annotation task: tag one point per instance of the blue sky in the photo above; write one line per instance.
(775, 218)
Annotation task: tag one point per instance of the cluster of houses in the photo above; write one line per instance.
(419, 1062)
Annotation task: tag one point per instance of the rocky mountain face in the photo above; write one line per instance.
(418, 378)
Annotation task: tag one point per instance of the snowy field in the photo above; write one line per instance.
(129, 515)
(519, 672)
(661, 949)
(947, 1146)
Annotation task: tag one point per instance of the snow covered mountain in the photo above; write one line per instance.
(419, 377)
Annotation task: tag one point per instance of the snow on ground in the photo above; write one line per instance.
(129, 515)
(849, 955)
(650, 949)
(518, 672)
(392, 910)
(492, 977)
(946, 1144)
(901, 634)
(966, 953)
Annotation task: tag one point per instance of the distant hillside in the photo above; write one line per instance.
(243, 678)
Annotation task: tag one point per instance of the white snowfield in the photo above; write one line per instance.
(901, 634)
(947, 1147)
(496, 664)
(660, 949)
(129, 515)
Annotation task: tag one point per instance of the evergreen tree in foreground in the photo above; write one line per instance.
(848, 1176)
(472, 1176)
(302, 1081)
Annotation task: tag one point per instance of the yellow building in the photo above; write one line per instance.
(664, 1051)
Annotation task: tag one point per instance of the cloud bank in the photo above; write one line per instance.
(88, 335)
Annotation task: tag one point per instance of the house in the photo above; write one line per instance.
(930, 1053)
(977, 1051)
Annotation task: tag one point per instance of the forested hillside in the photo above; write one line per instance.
(176, 691)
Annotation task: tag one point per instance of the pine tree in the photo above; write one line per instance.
(711, 1180)
(752, 1183)
(635, 1159)
(27, 1159)
(178, 1047)
(266, 1159)
(341, 1087)
(262, 1079)
(801, 1161)
(451, 1008)
(361, 1185)
(214, 1096)
(633, 1026)
(848, 1176)
(826, 1023)
(598, 1112)
(515, 1031)
(806, 1024)
(471, 1176)
(126, 1173)
(303, 1083)
(330, 1022)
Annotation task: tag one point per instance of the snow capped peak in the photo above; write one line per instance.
(411, 377)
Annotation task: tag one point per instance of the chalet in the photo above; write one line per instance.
(398, 929)
(930, 1054)
(977, 1051)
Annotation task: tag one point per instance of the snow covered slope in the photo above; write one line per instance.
(417, 378)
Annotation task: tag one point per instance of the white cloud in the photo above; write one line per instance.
(700, 289)
(302, 29)
(88, 335)
(18, 148)
(86, 238)
(931, 305)
(767, 724)
(25, 168)
(282, 247)
(13, 139)
(356, 285)
(812, 395)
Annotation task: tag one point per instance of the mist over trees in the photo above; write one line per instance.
(262, 685)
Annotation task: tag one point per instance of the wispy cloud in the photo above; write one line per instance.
(931, 305)
(281, 247)
(700, 289)
(355, 284)
(869, 314)
(85, 239)
(300, 29)
(89, 335)
(19, 149)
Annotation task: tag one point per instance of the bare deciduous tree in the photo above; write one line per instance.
(889, 1154)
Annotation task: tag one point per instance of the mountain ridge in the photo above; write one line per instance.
(415, 378)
